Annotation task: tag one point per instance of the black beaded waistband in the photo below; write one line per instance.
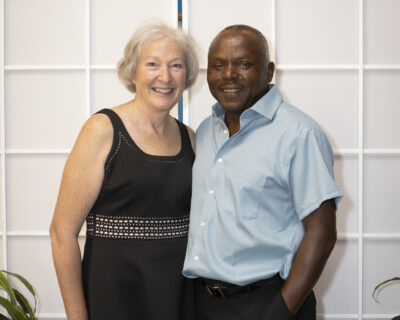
(142, 228)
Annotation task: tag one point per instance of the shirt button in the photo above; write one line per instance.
(196, 258)
(220, 160)
(225, 131)
(202, 224)
(211, 191)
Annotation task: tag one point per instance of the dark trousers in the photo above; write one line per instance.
(265, 303)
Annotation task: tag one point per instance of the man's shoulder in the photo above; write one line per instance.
(205, 125)
(295, 118)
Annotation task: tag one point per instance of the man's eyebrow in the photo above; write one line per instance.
(244, 57)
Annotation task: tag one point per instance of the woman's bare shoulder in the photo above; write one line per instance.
(96, 134)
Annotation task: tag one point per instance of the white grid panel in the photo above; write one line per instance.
(11, 238)
(359, 152)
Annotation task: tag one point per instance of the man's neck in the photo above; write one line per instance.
(232, 121)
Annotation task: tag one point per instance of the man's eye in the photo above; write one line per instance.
(244, 65)
(217, 65)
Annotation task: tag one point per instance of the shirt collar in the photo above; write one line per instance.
(266, 106)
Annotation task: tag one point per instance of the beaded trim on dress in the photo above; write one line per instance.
(143, 228)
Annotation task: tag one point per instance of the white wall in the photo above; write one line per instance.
(338, 60)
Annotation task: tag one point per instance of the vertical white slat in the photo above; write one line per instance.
(88, 88)
(272, 49)
(174, 13)
(186, 96)
(360, 153)
(2, 140)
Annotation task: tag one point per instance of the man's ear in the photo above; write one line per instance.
(270, 71)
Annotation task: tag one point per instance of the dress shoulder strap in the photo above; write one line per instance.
(114, 118)
(119, 128)
(186, 143)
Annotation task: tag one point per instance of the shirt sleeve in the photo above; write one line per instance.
(311, 177)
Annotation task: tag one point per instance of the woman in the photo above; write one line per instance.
(129, 176)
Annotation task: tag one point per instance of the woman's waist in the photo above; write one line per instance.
(137, 227)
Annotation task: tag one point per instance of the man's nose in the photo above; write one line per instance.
(229, 72)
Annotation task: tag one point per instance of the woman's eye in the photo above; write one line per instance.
(152, 64)
(177, 66)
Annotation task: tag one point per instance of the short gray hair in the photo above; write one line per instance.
(148, 33)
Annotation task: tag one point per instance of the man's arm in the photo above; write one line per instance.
(312, 254)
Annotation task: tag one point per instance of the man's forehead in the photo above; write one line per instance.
(235, 33)
(235, 37)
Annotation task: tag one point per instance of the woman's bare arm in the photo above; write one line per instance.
(80, 186)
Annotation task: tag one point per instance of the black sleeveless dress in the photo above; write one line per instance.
(137, 233)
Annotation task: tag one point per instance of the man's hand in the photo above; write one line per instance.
(311, 256)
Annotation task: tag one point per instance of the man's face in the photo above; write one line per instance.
(238, 74)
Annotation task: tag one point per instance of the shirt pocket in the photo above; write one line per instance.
(241, 194)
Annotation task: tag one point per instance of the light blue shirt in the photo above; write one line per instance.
(251, 191)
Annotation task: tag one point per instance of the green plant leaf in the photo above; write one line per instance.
(26, 284)
(23, 280)
(12, 310)
(7, 288)
(3, 317)
(381, 284)
(24, 304)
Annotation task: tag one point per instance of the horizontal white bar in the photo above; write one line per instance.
(377, 236)
(204, 67)
(379, 316)
(32, 234)
(60, 67)
(337, 316)
(52, 315)
(337, 152)
(383, 236)
(103, 67)
(355, 316)
(341, 235)
(382, 66)
(38, 151)
(382, 151)
(45, 67)
(317, 67)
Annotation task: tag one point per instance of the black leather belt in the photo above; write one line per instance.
(222, 289)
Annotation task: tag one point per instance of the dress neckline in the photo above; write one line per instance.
(145, 154)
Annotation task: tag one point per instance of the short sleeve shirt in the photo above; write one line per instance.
(251, 191)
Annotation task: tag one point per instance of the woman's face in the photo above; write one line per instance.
(160, 76)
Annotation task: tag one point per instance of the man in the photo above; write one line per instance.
(263, 204)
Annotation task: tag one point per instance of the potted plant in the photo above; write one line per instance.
(380, 285)
(16, 304)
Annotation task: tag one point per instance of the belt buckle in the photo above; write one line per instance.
(217, 288)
